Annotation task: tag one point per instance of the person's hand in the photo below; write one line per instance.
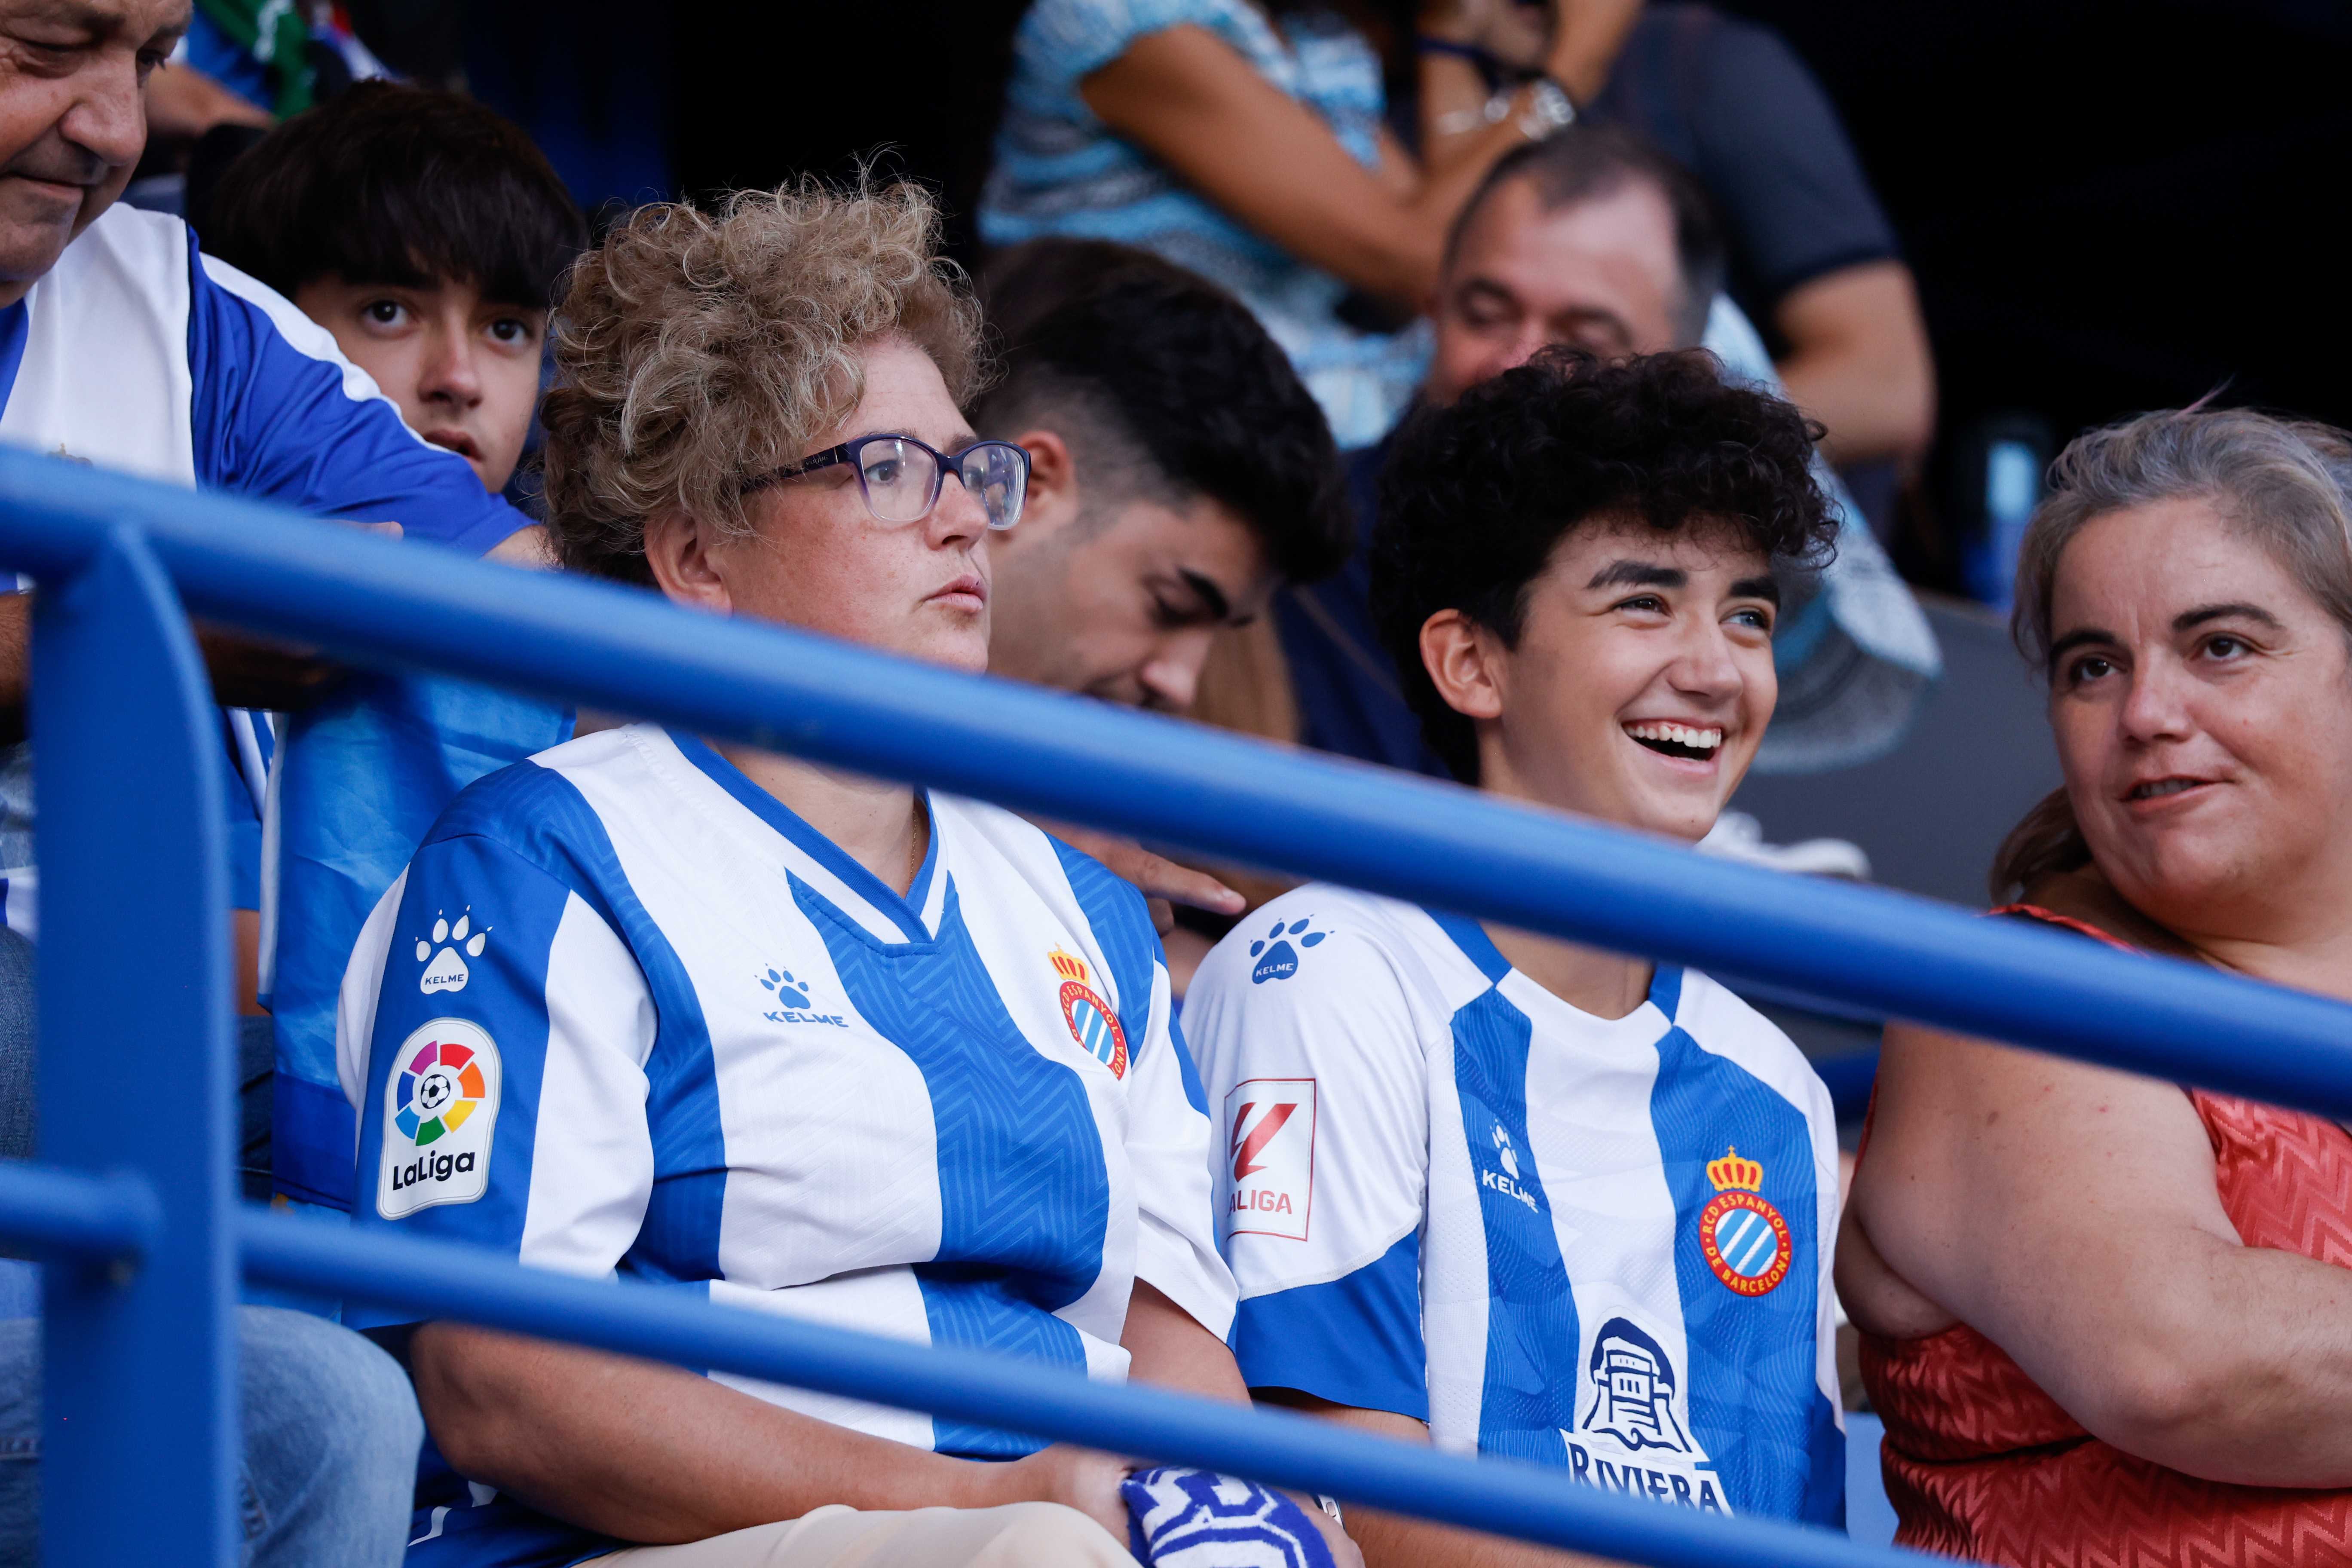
(1456, 21)
(1077, 1477)
(1515, 32)
(249, 671)
(1162, 880)
(530, 548)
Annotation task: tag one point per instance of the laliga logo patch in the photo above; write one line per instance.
(440, 1107)
(1092, 1022)
(448, 971)
(1270, 1145)
(1746, 1241)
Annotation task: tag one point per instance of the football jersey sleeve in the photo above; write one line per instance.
(1168, 1149)
(504, 1081)
(1314, 1072)
(280, 414)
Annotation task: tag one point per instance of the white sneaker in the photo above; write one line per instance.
(1737, 835)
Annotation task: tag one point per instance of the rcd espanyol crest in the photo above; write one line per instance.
(1092, 1022)
(1743, 1237)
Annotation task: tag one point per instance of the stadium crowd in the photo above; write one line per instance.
(1463, 457)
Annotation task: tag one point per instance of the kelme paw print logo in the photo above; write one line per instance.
(791, 998)
(1281, 959)
(790, 993)
(447, 970)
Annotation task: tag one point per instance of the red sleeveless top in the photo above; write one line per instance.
(1979, 1462)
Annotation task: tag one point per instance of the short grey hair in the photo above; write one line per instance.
(2281, 483)
(2284, 484)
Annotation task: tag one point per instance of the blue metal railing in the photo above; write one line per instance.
(134, 1074)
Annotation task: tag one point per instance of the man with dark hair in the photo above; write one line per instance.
(1178, 472)
(1642, 264)
(427, 235)
(1569, 1208)
(1595, 239)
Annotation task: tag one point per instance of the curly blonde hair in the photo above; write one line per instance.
(695, 351)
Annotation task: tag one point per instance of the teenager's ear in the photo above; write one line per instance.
(1465, 663)
(679, 550)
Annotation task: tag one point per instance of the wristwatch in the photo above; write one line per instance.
(1548, 111)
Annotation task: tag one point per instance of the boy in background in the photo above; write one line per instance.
(427, 234)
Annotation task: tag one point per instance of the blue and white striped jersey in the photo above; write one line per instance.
(626, 1012)
(135, 352)
(1599, 1243)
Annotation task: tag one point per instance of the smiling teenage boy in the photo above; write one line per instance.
(1489, 1189)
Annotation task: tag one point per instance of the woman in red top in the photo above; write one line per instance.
(2107, 1320)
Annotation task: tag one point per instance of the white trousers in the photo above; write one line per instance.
(1018, 1535)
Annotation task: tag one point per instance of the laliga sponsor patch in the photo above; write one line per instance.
(1743, 1237)
(1092, 1022)
(440, 1107)
(1270, 1150)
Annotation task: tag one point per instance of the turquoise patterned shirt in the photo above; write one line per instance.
(1060, 171)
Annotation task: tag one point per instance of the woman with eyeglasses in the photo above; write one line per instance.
(806, 1043)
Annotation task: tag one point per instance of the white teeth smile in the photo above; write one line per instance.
(2163, 788)
(1685, 735)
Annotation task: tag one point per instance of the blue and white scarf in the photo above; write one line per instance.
(1179, 1518)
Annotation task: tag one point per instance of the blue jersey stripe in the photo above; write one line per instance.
(679, 1238)
(1354, 1340)
(1666, 989)
(1531, 1321)
(1752, 1368)
(16, 327)
(505, 994)
(1475, 944)
(1025, 1194)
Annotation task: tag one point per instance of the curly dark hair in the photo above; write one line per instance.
(1478, 494)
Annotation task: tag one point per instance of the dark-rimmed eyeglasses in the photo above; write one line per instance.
(901, 477)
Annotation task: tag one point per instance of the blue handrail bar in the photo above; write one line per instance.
(412, 607)
(438, 1279)
(108, 1220)
(1167, 781)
